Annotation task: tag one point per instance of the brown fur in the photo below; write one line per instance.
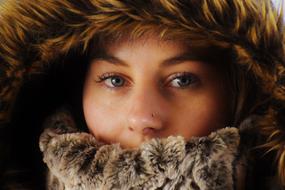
(35, 32)
(77, 161)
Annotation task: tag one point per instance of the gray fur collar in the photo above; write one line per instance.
(76, 161)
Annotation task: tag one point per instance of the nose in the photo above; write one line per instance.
(146, 125)
(147, 113)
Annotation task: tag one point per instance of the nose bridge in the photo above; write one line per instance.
(146, 109)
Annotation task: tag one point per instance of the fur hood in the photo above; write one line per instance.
(36, 35)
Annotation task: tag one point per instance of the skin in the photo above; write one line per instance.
(147, 88)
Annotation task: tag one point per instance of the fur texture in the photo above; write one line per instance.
(77, 161)
(36, 33)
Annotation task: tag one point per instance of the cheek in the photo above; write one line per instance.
(200, 116)
(101, 116)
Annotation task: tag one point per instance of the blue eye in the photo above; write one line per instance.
(183, 80)
(115, 81)
(112, 80)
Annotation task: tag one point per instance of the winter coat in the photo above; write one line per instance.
(43, 43)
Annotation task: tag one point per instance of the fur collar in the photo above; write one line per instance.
(76, 160)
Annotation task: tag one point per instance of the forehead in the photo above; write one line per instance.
(199, 50)
(107, 44)
(204, 49)
(117, 39)
(148, 44)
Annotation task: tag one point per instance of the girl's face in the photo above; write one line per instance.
(149, 88)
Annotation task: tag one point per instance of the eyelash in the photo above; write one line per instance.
(105, 76)
(194, 79)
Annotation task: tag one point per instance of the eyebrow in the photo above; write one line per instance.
(110, 59)
(167, 62)
(186, 56)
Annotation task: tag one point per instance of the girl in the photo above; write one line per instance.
(155, 69)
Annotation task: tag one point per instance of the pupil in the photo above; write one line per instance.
(117, 81)
(184, 81)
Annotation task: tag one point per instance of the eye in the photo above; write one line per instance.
(112, 80)
(183, 80)
(115, 81)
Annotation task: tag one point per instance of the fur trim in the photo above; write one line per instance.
(77, 161)
(34, 33)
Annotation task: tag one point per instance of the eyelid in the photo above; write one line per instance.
(181, 74)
